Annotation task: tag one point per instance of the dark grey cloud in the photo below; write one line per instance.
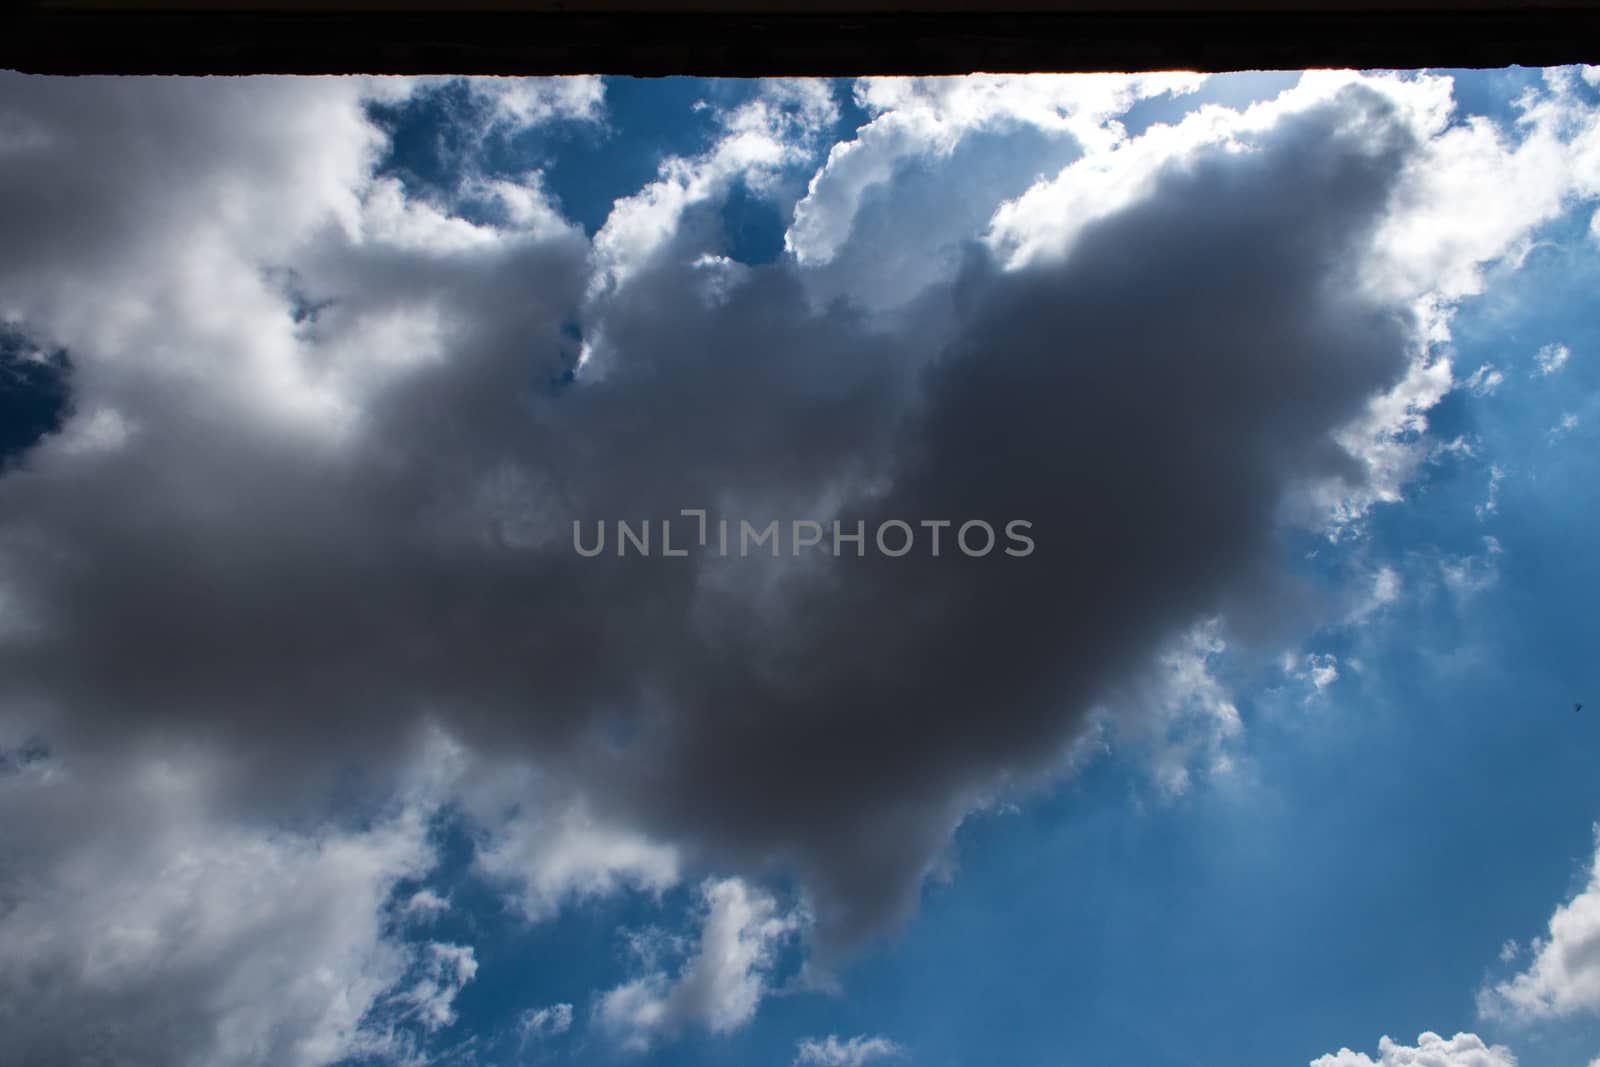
(1146, 404)
(303, 600)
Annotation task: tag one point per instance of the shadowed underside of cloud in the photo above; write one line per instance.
(296, 527)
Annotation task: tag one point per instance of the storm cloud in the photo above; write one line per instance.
(314, 501)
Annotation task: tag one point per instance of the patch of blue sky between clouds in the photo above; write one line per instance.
(444, 133)
(34, 393)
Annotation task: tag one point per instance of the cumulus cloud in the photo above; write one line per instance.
(1445, 226)
(432, 499)
(328, 440)
(1431, 1050)
(551, 859)
(146, 926)
(889, 211)
(1563, 977)
(534, 101)
(832, 1052)
(722, 982)
(930, 117)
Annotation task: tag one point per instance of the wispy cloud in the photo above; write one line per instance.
(832, 1052)
(1565, 425)
(546, 1022)
(1485, 380)
(1549, 359)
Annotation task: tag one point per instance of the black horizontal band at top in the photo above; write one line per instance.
(723, 38)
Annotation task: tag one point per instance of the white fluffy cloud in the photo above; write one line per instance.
(916, 118)
(888, 213)
(1431, 1050)
(832, 1052)
(553, 858)
(532, 101)
(149, 924)
(1563, 978)
(721, 984)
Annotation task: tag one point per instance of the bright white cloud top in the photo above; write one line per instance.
(1431, 1050)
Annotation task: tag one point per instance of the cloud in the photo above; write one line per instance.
(916, 118)
(1550, 359)
(1468, 575)
(678, 710)
(1178, 711)
(721, 984)
(532, 101)
(1491, 503)
(889, 211)
(316, 495)
(1384, 591)
(1321, 670)
(425, 905)
(831, 1052)
(1431, 1050)
(546, 1022)
(148, 925)
(551, 859)
(1563, 977)
(1485, 380)
(446, 969)
(1567, 423)
(1445, 225)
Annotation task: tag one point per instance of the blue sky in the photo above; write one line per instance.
(397, 797)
